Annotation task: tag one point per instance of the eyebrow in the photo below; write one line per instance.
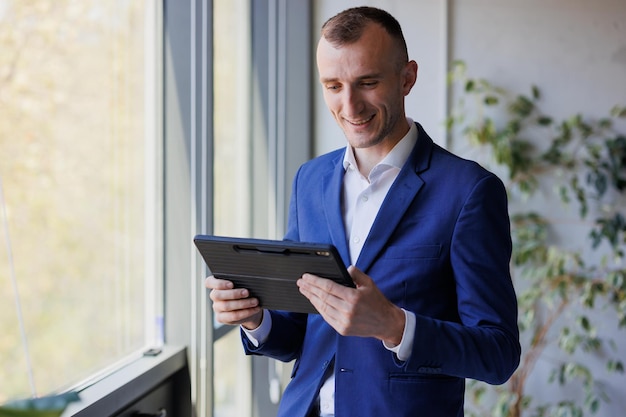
(361, 78)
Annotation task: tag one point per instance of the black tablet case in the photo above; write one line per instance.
(269, 269)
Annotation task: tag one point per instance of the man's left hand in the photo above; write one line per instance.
(362, 311)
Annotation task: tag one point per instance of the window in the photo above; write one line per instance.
(231, 182)
(80, 209)
(261, 103)
(104, 191)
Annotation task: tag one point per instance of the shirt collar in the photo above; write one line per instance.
(395, 158)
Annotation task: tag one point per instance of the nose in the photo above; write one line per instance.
(352, 102)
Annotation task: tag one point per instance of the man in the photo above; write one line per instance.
(427, 234)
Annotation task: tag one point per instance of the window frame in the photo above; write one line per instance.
(186, 132)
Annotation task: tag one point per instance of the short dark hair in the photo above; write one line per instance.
(347, 27)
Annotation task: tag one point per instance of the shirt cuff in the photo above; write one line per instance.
(403, 350)
(260, 334)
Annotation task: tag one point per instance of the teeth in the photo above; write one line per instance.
(361, 122)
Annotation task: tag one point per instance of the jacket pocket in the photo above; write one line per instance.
(413, 252)
(438, 390)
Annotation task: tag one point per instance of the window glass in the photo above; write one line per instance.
(231, 164)
(232, 182)
(77, 167)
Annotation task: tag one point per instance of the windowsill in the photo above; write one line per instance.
(117, 391)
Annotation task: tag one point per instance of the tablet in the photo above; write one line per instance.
(269, 269)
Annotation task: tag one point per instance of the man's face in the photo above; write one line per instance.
(364, 88)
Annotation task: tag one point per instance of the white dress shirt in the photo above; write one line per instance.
(361, 200)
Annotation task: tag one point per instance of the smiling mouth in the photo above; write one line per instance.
(360, 122)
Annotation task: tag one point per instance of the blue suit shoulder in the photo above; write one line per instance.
(431, 159)
(328, 160)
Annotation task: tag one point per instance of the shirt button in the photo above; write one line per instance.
(356, 239)
(364, 198)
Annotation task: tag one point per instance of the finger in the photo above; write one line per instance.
(219, 284)
(230, 310)
(328, 297)
(325, 285)
(226, 295)
(236, 305)
(236, 317)
(231, 305)
(359, 277)
(321, 288)
(320, 301)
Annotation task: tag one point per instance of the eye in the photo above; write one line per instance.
(369, 83)
(333, 87)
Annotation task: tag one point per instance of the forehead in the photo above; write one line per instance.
(373, 53)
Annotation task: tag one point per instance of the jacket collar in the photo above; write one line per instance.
(398, 199)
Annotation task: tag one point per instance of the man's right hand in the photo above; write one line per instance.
(233, 306)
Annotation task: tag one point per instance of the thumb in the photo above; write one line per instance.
(359, 277)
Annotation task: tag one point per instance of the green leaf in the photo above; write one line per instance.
(583, 322)
(544, 121)
(490, 100)
(618, 111)
(593, 404)
(605, 123)
(522, 107)
(615, 366)
(536, 93)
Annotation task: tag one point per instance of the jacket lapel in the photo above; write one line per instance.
(333, 180)
(398, 199)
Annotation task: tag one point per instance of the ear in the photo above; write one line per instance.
(410, 77)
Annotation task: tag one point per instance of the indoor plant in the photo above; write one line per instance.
(563, 289)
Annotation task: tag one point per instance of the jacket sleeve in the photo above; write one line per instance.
(284, 342)
(286, 336)
(484, 345)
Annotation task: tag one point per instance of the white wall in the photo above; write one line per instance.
(573, 50)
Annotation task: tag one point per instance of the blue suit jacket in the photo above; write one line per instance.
(439, 247)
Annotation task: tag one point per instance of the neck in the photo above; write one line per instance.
(367, 158)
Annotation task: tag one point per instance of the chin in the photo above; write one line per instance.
(360, 142)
